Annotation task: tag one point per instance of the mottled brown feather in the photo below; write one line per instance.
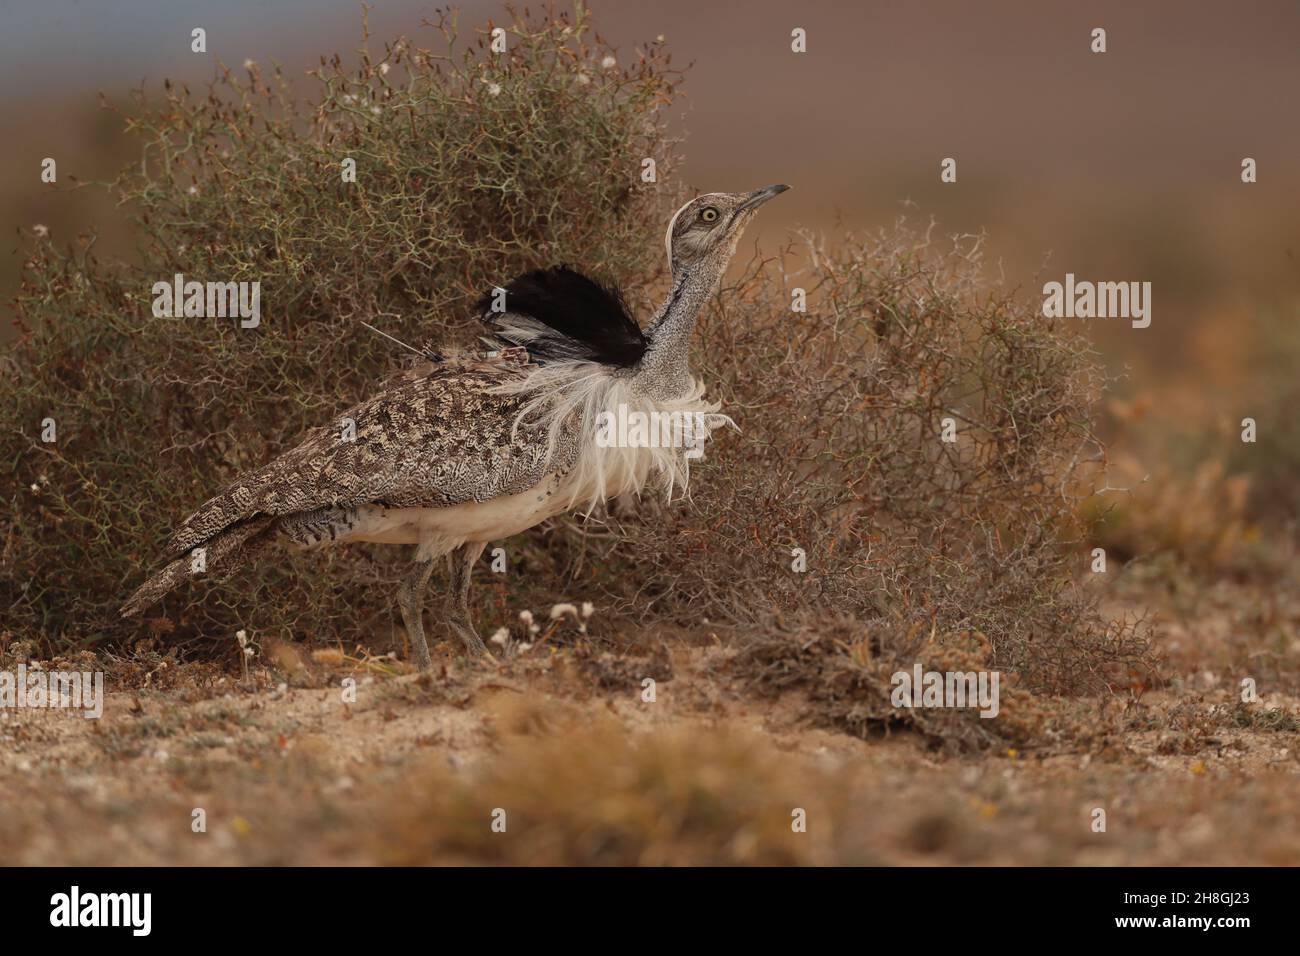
(433, 440)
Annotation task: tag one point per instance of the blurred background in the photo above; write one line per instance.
(1122, 166)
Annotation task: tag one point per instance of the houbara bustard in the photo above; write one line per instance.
(473, 450)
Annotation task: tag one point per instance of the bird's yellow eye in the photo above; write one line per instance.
(708, 214)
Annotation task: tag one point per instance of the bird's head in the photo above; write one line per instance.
(705, 230)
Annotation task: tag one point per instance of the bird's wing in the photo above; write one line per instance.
(560, 314)
(432, 441)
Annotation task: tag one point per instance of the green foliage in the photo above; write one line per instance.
(470, 167)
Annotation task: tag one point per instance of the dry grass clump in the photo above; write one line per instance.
(1193, 489)
(842, 455)
(601, 794)
(1270, 395)
(1201, 519)
(845, 673)
(470, 167)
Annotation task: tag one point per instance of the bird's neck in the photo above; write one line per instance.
(665, 371)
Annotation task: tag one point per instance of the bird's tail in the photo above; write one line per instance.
(221, 551)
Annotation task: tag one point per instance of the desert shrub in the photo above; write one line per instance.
(842, 455)
(470, 167)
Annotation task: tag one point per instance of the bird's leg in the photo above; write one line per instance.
(410, 598)
(461, 563)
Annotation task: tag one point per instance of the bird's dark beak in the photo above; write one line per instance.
(760, 196)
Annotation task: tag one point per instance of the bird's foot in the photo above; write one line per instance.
(474, 646)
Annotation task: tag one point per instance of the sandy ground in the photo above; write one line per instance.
(555, 757)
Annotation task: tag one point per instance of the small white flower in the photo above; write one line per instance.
(41, 230)
(376, 110)
(249, 64)
(500, 637)
(35, 486)
(348, 99)
(659, 38)
(494, 89)
(608, 63)
(383, 69)
(588, 609)
(583, 79)
(559, 610)
(193, 190)
(526, 617)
